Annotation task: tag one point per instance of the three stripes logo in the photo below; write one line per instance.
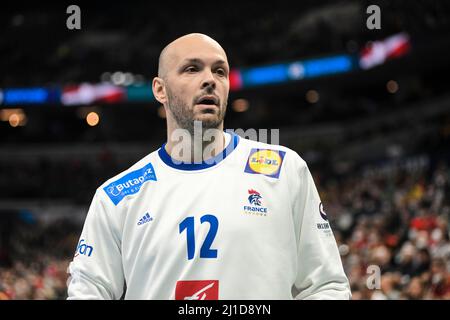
(145, 219)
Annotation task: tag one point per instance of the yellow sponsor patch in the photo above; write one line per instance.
(265, 161)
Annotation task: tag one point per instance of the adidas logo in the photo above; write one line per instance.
(145, 219)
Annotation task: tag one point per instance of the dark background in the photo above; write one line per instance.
(380, 159)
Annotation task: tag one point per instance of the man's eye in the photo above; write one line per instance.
(221, 72)
(191, 69)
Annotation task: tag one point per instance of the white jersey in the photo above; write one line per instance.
(248, 225)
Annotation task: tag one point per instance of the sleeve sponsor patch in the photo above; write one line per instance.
(130, 183)
(265, 161)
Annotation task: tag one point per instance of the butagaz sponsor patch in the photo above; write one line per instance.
(265, 161)
(130, 183)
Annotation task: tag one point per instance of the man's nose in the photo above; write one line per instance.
(208, 80)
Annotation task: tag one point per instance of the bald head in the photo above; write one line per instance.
(191, 69)
(183, 46)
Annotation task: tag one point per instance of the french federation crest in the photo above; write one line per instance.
(254, 197)
(255, 208)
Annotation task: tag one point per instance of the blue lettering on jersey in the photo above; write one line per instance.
(130, 183)
(83, 248)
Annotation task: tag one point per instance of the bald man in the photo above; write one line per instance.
(209, 215)
(192, 69)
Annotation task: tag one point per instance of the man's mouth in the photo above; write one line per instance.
(208, 101)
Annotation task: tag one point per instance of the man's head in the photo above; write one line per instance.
(192, 82)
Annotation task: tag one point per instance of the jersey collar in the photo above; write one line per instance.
(167, 159)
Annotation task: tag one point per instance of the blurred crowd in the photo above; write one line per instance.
(392, 230)
(42, 280)
(393, 233)
(34, 259)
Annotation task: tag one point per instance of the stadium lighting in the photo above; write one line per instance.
(129, 79)
(312, 96)
(106, 77)
(15, 117)
(240, 105)
(92, 119)
(118, 78)
(392, 86)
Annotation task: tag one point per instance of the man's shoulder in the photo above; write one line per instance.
(130, 180)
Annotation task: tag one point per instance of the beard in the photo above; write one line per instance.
(184, 114)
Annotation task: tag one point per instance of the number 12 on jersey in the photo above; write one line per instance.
(205, 251)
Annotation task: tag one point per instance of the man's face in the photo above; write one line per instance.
(197, 84)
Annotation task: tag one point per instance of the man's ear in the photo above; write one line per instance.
(159, 90)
